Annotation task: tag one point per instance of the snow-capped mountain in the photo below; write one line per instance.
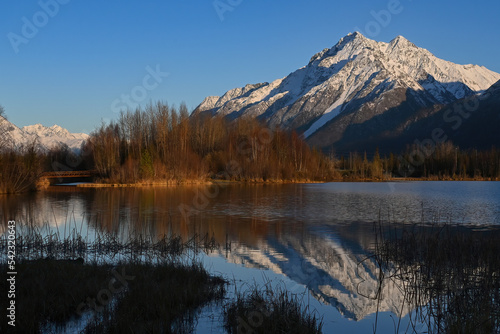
(357, 91)
(44, 137)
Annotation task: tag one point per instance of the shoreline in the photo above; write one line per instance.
(176, 183)
(275, 182)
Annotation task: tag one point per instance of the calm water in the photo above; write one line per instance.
(312, 239)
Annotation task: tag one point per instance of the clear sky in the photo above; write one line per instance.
(71, 62)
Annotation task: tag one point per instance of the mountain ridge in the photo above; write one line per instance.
(350, 84)
(45, 137)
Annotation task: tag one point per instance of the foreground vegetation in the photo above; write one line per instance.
(160, 299)
(270, 311)
(449, 275)
(107, 285)
(141, 285)
(146, 298)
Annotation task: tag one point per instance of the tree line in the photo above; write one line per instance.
(162, 143)
(443, 162)
(166, 143)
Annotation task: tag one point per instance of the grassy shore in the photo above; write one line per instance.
(109, 286)
(166, 183)
(123, 298)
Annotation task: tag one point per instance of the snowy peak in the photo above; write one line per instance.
(46, 137)
(351, 83)
(330, 269)
(352, 37)
(57, 129)
(53, 131)
(401, 42)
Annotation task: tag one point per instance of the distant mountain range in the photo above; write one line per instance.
(362, 94)
(44, 137)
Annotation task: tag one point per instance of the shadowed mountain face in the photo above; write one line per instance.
(471, 122)
(358, 93)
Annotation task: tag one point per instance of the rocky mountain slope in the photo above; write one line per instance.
(360, 91)
(469, 122)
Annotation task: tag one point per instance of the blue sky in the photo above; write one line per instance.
(83, 57)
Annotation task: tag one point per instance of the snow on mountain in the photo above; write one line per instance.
(333, 273)
(11, 134)
(350, 84)
(45, 137)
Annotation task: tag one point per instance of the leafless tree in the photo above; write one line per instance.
(3, 130)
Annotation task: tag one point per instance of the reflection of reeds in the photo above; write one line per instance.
(451, 275)
(63, 269)
(269, 311)
(105, 247)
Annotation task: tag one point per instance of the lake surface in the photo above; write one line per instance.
(313, 239)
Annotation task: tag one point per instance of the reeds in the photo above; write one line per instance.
(49, 291)
(449, 274)
(65, 276)
(101, 247)
(270, 310)
(160, 299)
(62, 279)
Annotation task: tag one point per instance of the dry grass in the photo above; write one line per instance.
(33, 242)
(165, 289)
(270, 311)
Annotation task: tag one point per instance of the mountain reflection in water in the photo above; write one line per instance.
(318, 236)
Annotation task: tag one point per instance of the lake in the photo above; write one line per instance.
(316, 240)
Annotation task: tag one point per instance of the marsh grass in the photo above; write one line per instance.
(33, 242)
(57, 275)
(449, 274)
(270, 310)
(49, 291)
(160, 299)
(59, 272)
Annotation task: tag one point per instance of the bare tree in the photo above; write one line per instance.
(3, 131)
